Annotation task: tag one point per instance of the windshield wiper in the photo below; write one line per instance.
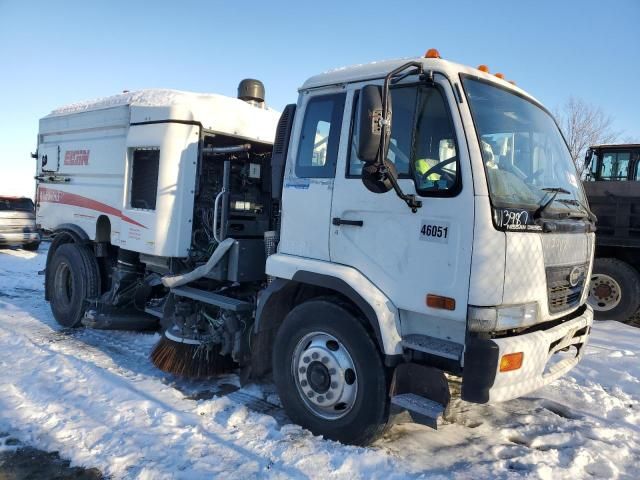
(552, 192)
(574, 201)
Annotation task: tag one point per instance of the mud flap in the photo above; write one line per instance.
(421, 391)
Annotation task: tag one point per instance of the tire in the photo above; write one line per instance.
(614, 291)
(31, 246)
(74, 280)
(326, 337)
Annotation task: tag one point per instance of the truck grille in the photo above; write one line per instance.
(561, 293)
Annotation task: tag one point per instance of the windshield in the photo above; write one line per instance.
(522, 149)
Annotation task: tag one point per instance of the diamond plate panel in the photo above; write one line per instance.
(565, 248)
(488, 259)
(528, 280)
(525, 278)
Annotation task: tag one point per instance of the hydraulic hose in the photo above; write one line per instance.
(172, 281)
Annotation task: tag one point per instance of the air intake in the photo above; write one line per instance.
(251, 90)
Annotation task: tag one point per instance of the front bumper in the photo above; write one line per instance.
(18, 238)
(482, 382)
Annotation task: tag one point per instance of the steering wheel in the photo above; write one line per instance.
(439, 169)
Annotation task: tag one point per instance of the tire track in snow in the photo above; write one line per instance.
(127, 354)
(200, 427)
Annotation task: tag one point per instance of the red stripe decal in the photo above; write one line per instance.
(66, 198)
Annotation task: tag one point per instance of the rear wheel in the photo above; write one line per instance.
(74, 279)
(614, 291)
(329, 373)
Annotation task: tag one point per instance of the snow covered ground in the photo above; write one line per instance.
(95, 397)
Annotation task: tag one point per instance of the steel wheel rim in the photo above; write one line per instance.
(604, 292)
(64, 283)
(325, 375)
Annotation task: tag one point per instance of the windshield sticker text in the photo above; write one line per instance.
(516, 220)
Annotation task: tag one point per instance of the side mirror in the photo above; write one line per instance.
(370, 114)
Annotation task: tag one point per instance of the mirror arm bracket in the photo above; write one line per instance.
(412, 202)
(427, 77)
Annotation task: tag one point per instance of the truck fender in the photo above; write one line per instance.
(378, 309)
(76, 232)
(340, 286)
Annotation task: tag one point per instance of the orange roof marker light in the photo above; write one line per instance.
(483, 68)
(500, 76)
(432, 53)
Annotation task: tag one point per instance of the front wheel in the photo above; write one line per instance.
(614, 291)
(329, 373)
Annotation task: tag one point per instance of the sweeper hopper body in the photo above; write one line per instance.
(124, 169)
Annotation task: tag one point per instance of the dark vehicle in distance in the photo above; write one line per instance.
(612, 185)
(18, 223)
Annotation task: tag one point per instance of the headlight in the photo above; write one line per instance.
(493, 319)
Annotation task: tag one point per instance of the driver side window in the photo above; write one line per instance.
(435, 156)
(422, 144)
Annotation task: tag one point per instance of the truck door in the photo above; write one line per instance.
(410, 255)
(309, 175)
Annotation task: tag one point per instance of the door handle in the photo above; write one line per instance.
(353, 223)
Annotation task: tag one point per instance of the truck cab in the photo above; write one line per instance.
(17, 223)
(612, 174)
(488, 275)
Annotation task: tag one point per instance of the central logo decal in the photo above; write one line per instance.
(575, 275)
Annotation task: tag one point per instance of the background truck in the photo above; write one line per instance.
(613, 189)
(405, 220)
(18, 223)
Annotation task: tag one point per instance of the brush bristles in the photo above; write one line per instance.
(191, 361)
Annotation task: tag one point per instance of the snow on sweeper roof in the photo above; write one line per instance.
(219, 113)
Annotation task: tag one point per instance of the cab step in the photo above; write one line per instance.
(433, 345)
(420, 409)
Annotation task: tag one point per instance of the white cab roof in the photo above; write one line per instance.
(378, 70)
(219, 113)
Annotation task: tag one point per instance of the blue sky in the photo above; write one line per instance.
(58, 52)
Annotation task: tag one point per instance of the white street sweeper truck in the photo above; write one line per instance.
(404, 222)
